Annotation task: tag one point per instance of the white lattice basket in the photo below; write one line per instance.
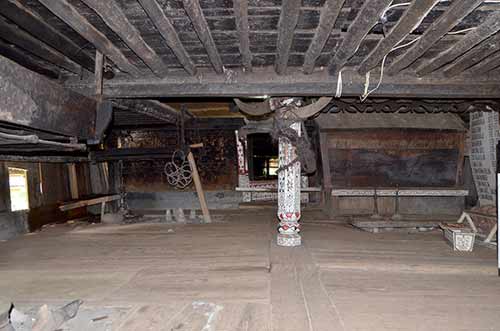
(460, 239)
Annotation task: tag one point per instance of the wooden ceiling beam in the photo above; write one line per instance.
(327, 19)
(367, 17)
(193, 9)
(80, 24)
(16, 55)
(474, 56)
(37, 27)
(286, 27)
(489, 27)
(486, 65)
(439, 28)
(167, 31)
(151, 108)
(14, 35)
(115, 18)
(241, 15)
(408, 22)
(265, 81)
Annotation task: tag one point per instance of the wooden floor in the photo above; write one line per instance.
(231, 276)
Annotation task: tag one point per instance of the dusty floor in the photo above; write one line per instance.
(229, 276)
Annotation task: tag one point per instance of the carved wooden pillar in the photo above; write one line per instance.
(289, 192)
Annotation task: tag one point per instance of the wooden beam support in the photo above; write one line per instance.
(489, 27)
(16, 55)
(167, 31)
(34, 101)
(240, 8)
(367, 17)
(37, 27)
(265, 81)
(70, 16)
(115, 18)
(18, 37)
(286, 27)
(408, 22)
(98, 72)
(482, 51)
(193, 9)
(439, 28)
(150, 108)
(328, 17)
(486, 65)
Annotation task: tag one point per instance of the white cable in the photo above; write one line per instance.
(338, 94)
(462, 31)
(367, 81)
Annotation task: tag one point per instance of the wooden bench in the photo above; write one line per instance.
(396, 193)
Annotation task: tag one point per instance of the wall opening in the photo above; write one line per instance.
(263, 160)
(18, 183)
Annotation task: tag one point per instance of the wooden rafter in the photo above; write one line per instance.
(486, 65)
(367, 17)
(410, 20)
(489, 27)
(457, 11)
(241, 16)
(75, 20)
(115, 18)
(286, 27)
(475, 55)
(328, 17)
(167, 31)
(18, 37)
(38, 28)
(193, 9)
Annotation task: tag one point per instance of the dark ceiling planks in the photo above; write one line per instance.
(167, 30)
(286, 28)
(367, 17)
(410, 20)
(328, 17)
(35, 25)
(18, 37)
(489, 27)
(456, 12)
(113, 16)
(70, 16)
(193, 9)
(241, 16)
(478, 53)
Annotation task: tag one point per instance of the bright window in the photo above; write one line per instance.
(18, 182)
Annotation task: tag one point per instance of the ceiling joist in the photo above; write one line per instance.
(286, 27)
(167, 31)
(241, 17)
(193, 9)
(80, 24)
(410, 20)
(439, 28)
(367, 17)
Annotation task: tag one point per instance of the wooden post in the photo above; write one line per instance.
(199, 188)
(73, 181)
(99, 64)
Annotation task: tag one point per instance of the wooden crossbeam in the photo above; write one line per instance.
(367, 17)
(241, 16)
(150, 108)
(286, 27)
(115, 18)
(167, 31)
(328, 17)
(490, 26)
(16, 55)
(193, 9)
(475, 55)
(409, 21)
(457, 11)
(70, 16)
(486, 65)
(485, 49)
(18, 37)
(38, 28)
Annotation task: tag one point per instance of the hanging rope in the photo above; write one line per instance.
(178, 171)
